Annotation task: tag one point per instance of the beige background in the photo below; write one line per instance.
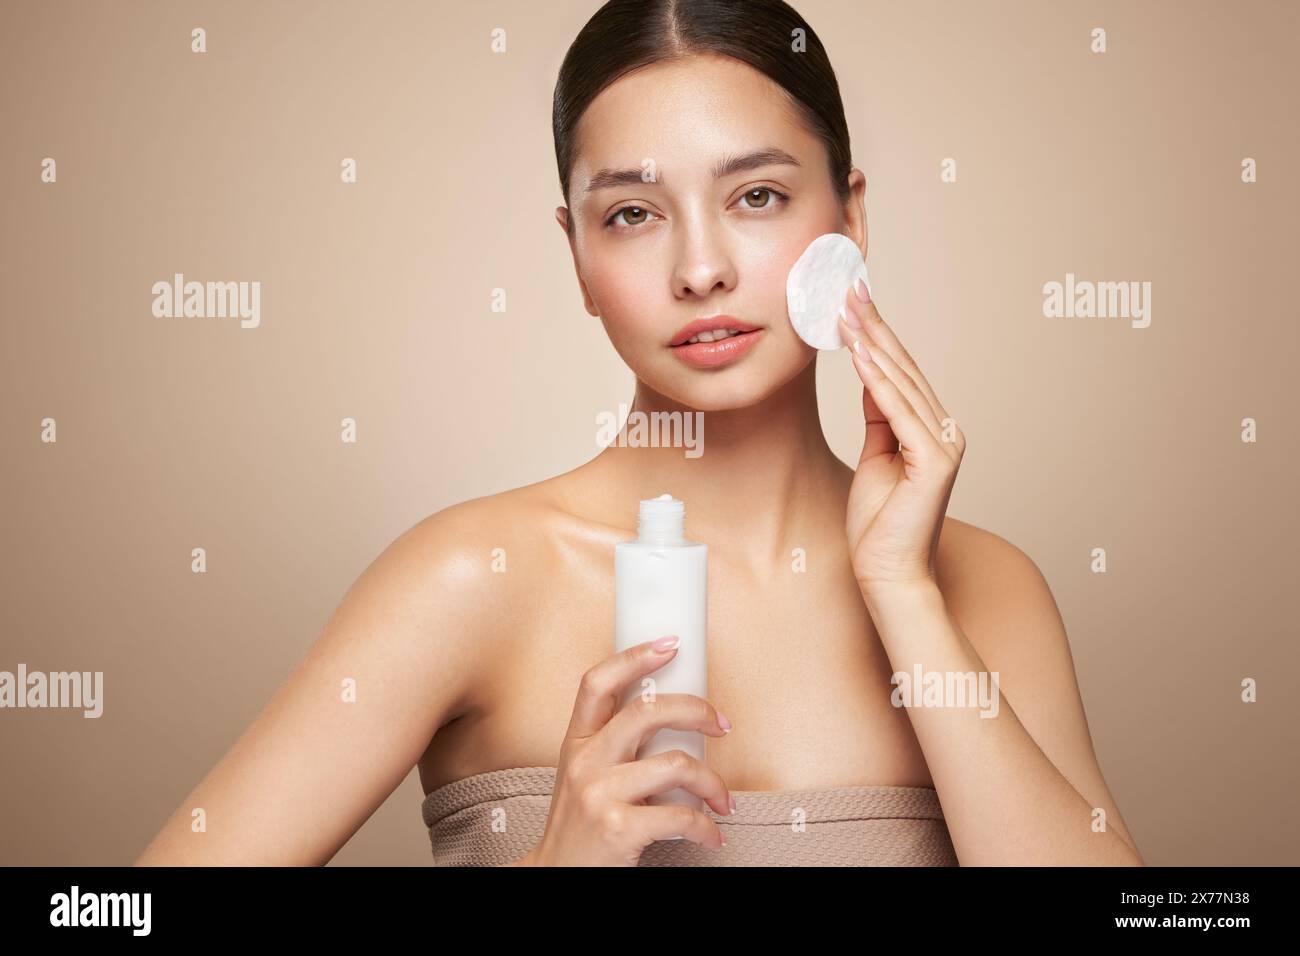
(176, 433)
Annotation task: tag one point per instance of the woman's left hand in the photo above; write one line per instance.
(909, 461)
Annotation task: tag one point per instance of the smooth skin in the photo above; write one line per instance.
(824, 579)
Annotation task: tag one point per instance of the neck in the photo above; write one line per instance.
(762, 480)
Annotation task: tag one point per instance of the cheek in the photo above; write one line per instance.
(623, 290)
(768, 267)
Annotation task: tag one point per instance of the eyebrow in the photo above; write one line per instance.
(727, 166)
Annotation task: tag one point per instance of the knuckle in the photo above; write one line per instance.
(613, 821)
(591, 800)
(678, 759)
(683, 817)
(572, 776)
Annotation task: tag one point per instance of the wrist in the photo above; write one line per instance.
(908, 593)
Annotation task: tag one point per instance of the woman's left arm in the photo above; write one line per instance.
(1006, 799)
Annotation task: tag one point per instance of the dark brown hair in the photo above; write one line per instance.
(625, 35)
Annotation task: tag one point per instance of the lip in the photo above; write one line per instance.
(708, 323)
(713, 354)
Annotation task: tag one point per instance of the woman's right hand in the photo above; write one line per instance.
(598, 814)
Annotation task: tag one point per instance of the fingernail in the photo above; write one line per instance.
(861, 350)
(733, 804)
(723, 837)
(666, 643)
(860, 288)
(724, 723)
(851, 320)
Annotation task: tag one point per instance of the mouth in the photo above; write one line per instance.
(712, 328)
(713, 341)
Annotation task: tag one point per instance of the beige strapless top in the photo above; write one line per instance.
(497, 816)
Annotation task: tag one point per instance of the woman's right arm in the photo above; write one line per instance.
(393, 664)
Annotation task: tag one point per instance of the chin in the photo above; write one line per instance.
(739, 386)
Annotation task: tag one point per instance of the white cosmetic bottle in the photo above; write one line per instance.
(660, 588)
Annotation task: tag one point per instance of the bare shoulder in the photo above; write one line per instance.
(1003, 604)
(478, 555)
(971, 558)
(1001, 598)
(458, 541)
(407, 650)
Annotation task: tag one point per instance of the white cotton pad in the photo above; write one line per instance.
(818, 284)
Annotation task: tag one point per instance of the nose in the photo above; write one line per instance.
(703, 262)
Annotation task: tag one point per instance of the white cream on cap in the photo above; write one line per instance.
(817, 286)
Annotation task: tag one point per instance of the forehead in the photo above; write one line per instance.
(684, 113)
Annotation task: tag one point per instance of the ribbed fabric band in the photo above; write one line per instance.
(497, 816)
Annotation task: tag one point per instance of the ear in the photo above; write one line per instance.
(562, 217)
(855, 210)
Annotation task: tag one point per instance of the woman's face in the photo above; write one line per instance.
(660, 241)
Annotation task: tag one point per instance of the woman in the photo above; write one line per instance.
(478, 644)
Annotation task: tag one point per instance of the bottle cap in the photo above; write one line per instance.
(661, 520)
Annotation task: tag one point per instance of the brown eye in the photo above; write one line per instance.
(629, 212)
(754, 192)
